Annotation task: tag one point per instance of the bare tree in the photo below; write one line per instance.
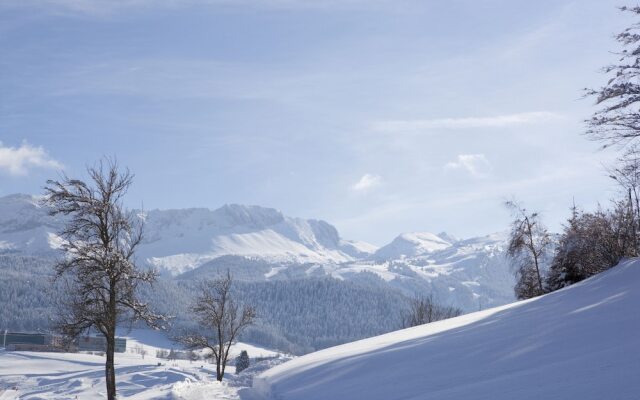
(423, 310)
(221, 320)
(192, 356)
(591, 243)
(139, 349)
(617, 122)
(529, 242)
(627, 175)
(99, 240)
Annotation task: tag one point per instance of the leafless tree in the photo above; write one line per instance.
(529, 242)
(617, 122)
(627, 175)
(99, 240)
(591, 243)
(423, 310)
(192, 356)
(221, 320)
(139, 349)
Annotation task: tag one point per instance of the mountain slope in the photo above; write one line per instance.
(181, 240)
(25, 226)
(259, 243)
(470, 274)
(580, 343)
(411, 245)
(177, 241)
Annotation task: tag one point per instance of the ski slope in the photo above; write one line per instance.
(582, 342)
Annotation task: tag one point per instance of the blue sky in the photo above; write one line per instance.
(378, 116)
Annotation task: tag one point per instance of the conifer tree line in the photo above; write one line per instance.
(591, 241)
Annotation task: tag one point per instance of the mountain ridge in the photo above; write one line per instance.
(469, 273)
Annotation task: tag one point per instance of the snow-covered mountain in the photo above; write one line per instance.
(577, 343)
(181, 240)
(26, 227)
(268, 245)
(413, 244)
(471, 274)
(177, 241)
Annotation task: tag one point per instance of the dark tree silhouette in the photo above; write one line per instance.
(617, 122)
(423, 310)
(99, 240)
(221, 321)
(529, 242)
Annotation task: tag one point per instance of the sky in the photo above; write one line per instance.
(378, 116)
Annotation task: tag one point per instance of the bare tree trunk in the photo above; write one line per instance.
(535, 254)
(110, 368)
(100, 239)
(216, 311)
(218, 370)
(535, 261)
(636, 216)
(224, 364)
(219, 373)
(633, 224)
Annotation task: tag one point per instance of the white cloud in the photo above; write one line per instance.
(18, 160)
(498, 121)
(475, 164)
(368, 181)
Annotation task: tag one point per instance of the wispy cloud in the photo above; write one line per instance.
(367, 182)
(498, 121)
(107, 7)
(475, 164)
(18, 161)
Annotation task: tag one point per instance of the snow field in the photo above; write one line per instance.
(578, 343)
(48, 376)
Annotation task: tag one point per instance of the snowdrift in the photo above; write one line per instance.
(582, 342)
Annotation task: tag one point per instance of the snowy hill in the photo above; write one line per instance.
(578, 343)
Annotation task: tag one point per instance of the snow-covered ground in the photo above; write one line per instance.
(578, 343)
(36, 375)
(582, 342)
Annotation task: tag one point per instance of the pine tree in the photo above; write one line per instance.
(242, 361)
(567, 264)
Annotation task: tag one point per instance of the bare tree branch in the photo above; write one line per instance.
(99, 240)
(221, 321)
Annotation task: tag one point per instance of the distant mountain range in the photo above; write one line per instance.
(267, 245)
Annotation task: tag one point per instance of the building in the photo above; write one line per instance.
(99, 343)
(48, 342)
(29, 341)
